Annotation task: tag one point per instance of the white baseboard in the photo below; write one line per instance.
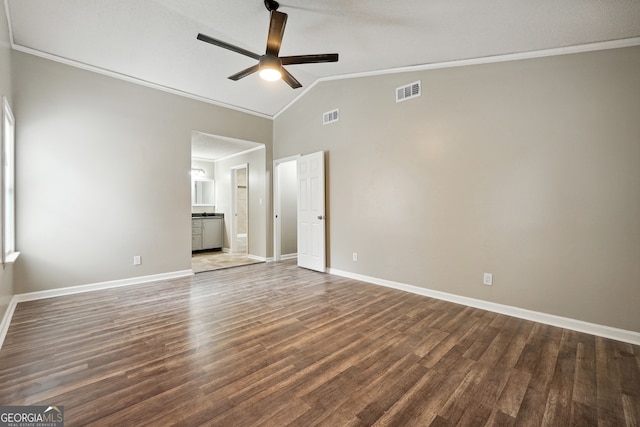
(624, 335)
(6, 319)
(631, 337)
(32, 296)
(288, 256)
(70, 290)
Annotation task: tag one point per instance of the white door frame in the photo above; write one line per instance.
(233, 239)
(277, 226)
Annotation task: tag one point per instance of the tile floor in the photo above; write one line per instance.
(215, 260)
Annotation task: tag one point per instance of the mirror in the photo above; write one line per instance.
(202, 192)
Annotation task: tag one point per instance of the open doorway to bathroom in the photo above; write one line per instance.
(236, 169)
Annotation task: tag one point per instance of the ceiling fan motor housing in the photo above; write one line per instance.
(270, 61)
(271, 5)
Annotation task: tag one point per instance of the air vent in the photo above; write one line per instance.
(330, 117)
(407, 92)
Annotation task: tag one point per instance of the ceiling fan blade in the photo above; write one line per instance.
(276, 31)
(309, 59)
(290, 80)
(228, 46)
(244, 73)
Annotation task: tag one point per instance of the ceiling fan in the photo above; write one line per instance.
(270, 65)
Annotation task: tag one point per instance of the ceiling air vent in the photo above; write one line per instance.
(330, 117)
(407, 92)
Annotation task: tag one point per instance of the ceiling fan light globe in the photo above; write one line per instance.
(270, 74)
(270, 68)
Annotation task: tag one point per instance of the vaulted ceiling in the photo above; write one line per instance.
(154, 41)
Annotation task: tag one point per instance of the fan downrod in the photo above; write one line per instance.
(271, 5)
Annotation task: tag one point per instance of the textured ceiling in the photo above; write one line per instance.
(154, 41)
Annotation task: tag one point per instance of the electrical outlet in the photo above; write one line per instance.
(355, 256)
(137, 260)
(488, 279)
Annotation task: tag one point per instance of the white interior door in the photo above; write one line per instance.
(311, 215)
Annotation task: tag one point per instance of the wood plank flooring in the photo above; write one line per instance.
(275, 345)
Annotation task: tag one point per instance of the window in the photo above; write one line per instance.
(7, 173)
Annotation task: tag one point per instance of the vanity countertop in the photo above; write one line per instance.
(206, 215)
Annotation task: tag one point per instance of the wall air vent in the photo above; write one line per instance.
(330, 117)
(409, 91)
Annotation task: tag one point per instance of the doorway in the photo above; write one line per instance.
(239, 209)
(285, 219)
(225, 159)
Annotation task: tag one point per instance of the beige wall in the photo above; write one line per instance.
(528, 169)
(103, 174)
(258, 190)
(6, 274)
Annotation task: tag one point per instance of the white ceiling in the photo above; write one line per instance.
(154, 41)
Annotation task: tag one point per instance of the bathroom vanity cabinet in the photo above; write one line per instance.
(207, 232)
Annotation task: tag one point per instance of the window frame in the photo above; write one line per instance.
(7, 184)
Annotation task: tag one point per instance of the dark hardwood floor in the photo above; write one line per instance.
(275, 345)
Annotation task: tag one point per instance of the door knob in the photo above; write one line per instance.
(320, 217)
